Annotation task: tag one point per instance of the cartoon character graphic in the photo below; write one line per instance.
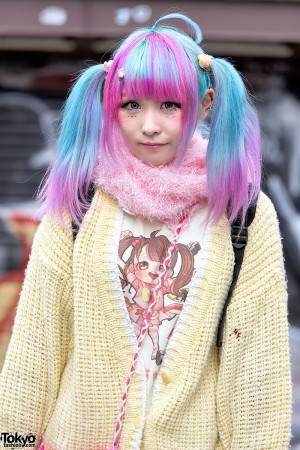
(141, 271)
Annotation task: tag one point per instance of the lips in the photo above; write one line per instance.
(152, 144)
(153, 275)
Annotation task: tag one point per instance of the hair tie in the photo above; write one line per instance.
(177, 248)
(205, 61)
(137, 241)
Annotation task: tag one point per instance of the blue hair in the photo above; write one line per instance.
(68, 180)
(233, 153)
(90, 119)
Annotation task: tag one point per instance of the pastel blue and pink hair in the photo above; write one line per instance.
(160, 62)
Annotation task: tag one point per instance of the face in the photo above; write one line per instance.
(151, 129)
(146, 269)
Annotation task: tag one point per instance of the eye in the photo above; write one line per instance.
(161, 267)
(170, 106)
(143, 265)
(132, 105)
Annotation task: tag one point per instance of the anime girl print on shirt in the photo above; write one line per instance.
(140, 270)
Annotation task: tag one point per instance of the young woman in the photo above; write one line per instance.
(114, 342)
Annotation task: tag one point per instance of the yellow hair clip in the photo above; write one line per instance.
(205, 61)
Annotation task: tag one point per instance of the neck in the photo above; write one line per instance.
(164, 193)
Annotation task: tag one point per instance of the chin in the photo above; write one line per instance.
(152, 160)
(157, 163)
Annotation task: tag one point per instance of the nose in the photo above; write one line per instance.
(150, 125)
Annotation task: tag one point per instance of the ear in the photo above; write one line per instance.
(207, 102)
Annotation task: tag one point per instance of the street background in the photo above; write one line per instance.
(43, 44)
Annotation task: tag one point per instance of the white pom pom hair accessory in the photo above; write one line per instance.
(107, 64)
(121, 73)
(203, 59)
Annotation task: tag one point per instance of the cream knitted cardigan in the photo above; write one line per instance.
(73, 342)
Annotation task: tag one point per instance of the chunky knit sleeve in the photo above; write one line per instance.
(254, 387)
(38, 348)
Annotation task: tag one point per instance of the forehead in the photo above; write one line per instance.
(143, 254)
(147, 102)
(154, 72)
(150, 89)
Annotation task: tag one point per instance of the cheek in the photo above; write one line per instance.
(122, 119)
(128, 127)
(141, 274)
(177, 122)
(125, 122)
(174, 125)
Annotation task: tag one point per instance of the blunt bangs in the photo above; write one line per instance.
(154, 70)
(153, 63)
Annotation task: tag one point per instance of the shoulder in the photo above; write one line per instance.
(262, 274)
(264, 231)
(53, 244)
(263, 262)
(265, 210)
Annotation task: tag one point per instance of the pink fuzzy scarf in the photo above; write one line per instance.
(162, 193)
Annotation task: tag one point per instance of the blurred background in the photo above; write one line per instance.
(43, 44)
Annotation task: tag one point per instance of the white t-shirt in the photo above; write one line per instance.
(142, 250)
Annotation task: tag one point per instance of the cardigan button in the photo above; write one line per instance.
(137, 422)
(166, 377)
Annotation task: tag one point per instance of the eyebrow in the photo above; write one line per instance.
(125, 99)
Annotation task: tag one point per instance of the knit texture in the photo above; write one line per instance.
(163, 193)
(73, 343)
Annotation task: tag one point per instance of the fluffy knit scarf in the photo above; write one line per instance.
(157, 193)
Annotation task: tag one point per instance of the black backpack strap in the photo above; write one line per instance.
(90, 195)
(239, 238)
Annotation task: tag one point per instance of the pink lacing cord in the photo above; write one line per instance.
(144, 329)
